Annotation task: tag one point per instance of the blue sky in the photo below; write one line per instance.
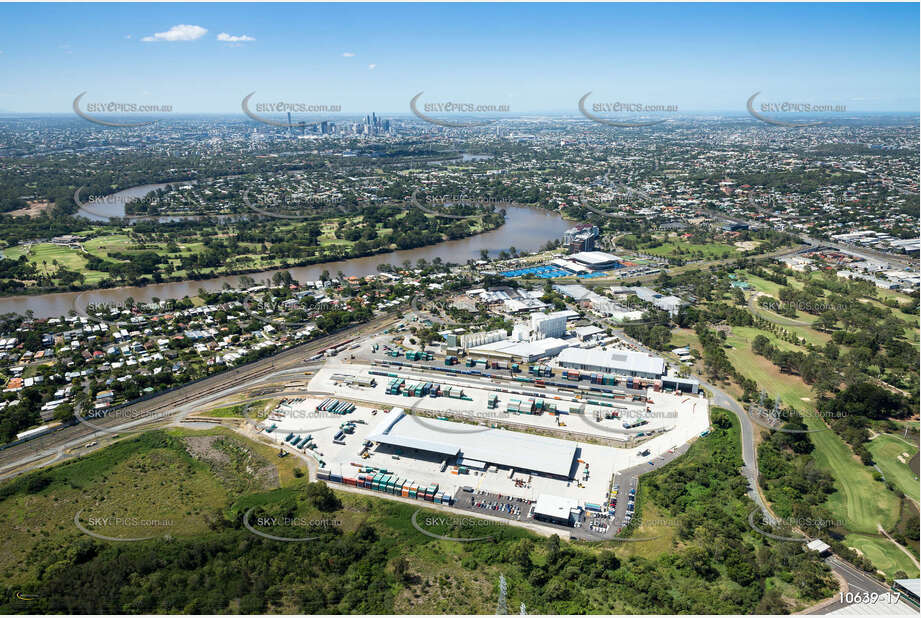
(535, 57)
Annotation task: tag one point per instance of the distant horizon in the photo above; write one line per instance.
(525, 114)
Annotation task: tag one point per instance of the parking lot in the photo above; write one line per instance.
(509, 507)
(595, 527)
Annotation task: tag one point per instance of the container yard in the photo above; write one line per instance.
(355, 431)
(505, 402)
(444, 428)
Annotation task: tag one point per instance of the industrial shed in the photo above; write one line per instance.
(556, 509)
(523, 452)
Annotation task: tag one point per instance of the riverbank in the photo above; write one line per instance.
(526, 228)
(232, 272)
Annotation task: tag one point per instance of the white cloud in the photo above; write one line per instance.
(182, 32)
(348, 55)
(229, 38)
(371, 67)
(127, 36)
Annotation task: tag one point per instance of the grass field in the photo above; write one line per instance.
(128, 480)
(860, 501)
(741, 339)
(44, 255)
(889, 561)
(885, 450)
(854, 481)
(759, 284)
(710, 250)
(807, 333)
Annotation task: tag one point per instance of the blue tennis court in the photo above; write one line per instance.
(593, 275)
(542, 272)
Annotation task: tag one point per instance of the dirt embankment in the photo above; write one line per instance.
(234, 463)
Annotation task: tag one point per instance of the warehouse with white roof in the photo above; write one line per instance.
(464, 444)
(620, 362)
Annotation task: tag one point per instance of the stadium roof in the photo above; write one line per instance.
(594, 257)
(496, 446)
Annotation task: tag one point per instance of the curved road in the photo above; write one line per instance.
(856, 580)
(749, 457)
(37, 453)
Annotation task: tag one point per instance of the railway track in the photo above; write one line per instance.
(23, 457)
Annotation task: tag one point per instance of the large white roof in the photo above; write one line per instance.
(593, 257)
(614, 359)
(912, 585)
(497, 446)
(525, 349)
(554, 506)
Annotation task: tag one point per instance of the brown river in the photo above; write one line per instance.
(525, 229)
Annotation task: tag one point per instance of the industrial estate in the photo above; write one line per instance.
(435, 309)
(433, 427)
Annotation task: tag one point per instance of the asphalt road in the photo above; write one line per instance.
(857, 580)
(40, 451)
(749, 459)
(857, 583)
